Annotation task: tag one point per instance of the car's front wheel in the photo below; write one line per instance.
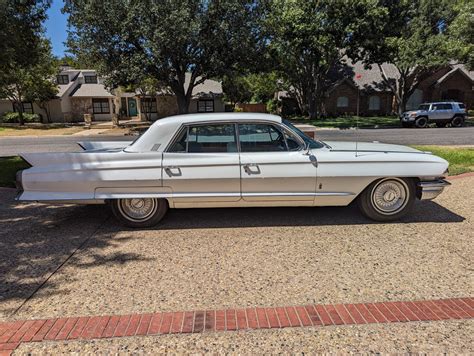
(387, 199)
(421, 122)
(139, 212)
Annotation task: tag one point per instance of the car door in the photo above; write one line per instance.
(447, 111)
(436, 112)
(202, 164)
(274, 165)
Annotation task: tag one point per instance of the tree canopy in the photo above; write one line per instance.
(310, 37)
(133, 40)
(419, 37)
(25, 60)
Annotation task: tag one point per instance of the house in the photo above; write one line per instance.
(82, 91)
(360, 89)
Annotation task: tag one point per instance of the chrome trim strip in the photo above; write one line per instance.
(217, 195)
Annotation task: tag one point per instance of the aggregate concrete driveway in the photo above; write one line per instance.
(73, 260)
(10, 146)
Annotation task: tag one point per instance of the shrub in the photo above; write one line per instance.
(11, 117)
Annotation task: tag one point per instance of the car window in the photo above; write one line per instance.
(424, 107)
(261, 138)
(448, 107)
(206, 139)
(462, 106)
(437, 107)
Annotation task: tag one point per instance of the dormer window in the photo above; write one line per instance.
(62, 79)
(90, 79)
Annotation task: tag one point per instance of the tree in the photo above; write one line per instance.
(22, 47)
(165, 40)
(416, 39)
(309, 37)
(461, 32)
(263, 86)
(236, 89)
(40, 86)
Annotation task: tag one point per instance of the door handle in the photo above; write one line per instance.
(173, 171)
(252, 168)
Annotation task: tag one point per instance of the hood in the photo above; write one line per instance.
(370, 147)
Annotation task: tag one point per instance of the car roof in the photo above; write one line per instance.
(222, 116)
(161, 132)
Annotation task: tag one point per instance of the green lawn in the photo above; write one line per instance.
(8, 168)
(362, 122)
(370, 122)
(461, 160)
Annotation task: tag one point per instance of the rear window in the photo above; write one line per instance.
(206, 139)
(462, 106)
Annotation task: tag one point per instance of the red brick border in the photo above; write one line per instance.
(462, 175)
(13, 333)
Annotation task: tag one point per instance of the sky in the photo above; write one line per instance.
(56, 26)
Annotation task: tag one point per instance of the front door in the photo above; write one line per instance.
(132, 107)
(274, 167)
(202, 164)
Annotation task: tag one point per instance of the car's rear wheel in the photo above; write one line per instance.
(139, 212)
(440, 124)
(457, 121)
(387, 199)
(421, 122)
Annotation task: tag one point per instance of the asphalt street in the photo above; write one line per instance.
(10, 146)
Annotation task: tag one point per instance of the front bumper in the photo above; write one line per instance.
(428, 190)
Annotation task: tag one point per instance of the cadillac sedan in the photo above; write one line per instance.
(232, 160)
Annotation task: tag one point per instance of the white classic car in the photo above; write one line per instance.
(232, 160)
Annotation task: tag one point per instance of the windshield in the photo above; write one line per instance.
(310, 142)
(424, 107)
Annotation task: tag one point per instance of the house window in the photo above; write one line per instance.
(100, 106)
(90, 79)
(27, 107)
(205, 105)
(148, 105)
(374, 102)
(342, 102)
(62, 79)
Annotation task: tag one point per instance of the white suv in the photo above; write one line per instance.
(441, 113)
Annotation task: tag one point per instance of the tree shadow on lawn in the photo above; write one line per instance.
(36, 239)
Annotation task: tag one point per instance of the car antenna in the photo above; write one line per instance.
(357, 77)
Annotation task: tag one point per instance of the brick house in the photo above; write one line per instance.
(363, 87)
(82, 91)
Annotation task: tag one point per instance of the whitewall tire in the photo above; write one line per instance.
(387, 199)
(139, 212)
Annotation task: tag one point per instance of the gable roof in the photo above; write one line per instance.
(456, 68)
(91, 90)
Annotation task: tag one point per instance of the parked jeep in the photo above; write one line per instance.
(441, 114)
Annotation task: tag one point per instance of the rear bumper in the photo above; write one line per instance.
(428, 190)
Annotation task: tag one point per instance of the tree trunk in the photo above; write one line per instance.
(312, 107)
(183, 103)
(402, 104)
(21, 119)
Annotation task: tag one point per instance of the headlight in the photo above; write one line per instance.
(413, 114)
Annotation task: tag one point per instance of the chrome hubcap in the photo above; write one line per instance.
(137, 209)
(390, 196)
